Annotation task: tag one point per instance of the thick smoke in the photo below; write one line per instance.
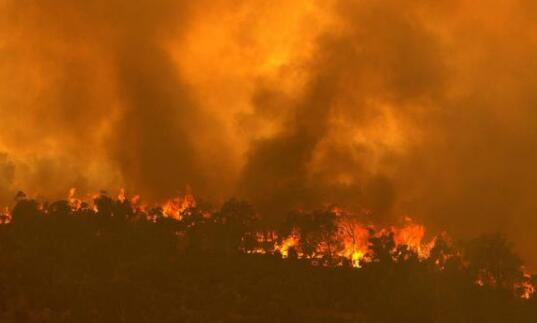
(377, 57)
(93, 81)
(418, 108)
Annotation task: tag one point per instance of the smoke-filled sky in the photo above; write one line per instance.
(421, 108)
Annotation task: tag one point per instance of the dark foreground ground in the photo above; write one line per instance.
(82, 268)
(102, 284)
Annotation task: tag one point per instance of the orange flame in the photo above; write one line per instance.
(175, 207)
(288, 243)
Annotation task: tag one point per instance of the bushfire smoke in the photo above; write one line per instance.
(421, 108)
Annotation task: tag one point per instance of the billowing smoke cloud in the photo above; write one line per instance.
(95, 85)
(376, 61)
(421, 108)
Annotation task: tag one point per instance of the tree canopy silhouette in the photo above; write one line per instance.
(115, 261)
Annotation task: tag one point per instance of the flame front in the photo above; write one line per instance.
(348, 242)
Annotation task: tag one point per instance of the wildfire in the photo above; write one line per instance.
(352, 240)
(5, 216)
(356, 244)
(356, 258)
(74, 202)
(527, 288)
(122, 196)
(355, 238)
(171, 208)
(175, 207)
(412, 235)
(288, 243)
(347, 239)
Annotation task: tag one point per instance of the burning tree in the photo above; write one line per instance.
(330, 237)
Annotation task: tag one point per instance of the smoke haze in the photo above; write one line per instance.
(418, 108)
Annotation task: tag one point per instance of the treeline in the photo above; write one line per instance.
(113, 261)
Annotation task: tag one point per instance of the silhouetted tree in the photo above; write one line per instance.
(440, 253)
(123, 210)
(104, 205)
(25, 210)
(235, 222)
(59, 209)
(403, 253)
(381, 248)
(292, 254)
(199, 227)
(155, 214)
(493, 262)
(84, 211)
(317, 232)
